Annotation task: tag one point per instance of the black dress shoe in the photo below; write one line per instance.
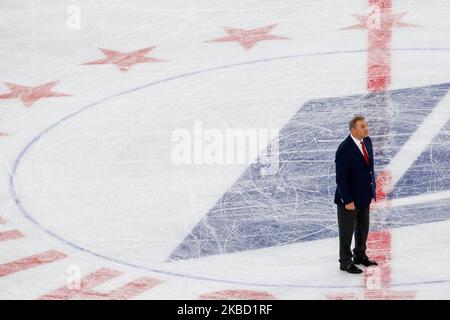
(365, 262)
(351, 268)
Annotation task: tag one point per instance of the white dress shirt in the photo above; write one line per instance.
(358, 143)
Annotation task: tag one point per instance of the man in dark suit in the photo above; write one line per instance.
(355, 179)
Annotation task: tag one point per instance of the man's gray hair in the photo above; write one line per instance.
(355, 119)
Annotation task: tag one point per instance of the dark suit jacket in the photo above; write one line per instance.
(354, 178)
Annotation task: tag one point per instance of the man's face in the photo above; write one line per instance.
(361, 129)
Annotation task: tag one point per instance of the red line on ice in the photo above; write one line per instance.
(377, 279)
(10, 235)
(379, 50)
(30, 262)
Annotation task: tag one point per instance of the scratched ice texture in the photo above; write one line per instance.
(295, 204)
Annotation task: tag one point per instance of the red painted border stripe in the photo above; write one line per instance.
(30, 262)
(10, 235)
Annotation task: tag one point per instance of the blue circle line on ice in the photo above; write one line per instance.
(185, 75)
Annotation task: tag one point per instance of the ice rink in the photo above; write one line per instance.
(96, 95)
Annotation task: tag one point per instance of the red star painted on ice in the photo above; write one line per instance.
(385, 21)
(249, 38)
(29, 95)
(125, 60)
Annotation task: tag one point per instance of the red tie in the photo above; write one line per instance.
(366, 156)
